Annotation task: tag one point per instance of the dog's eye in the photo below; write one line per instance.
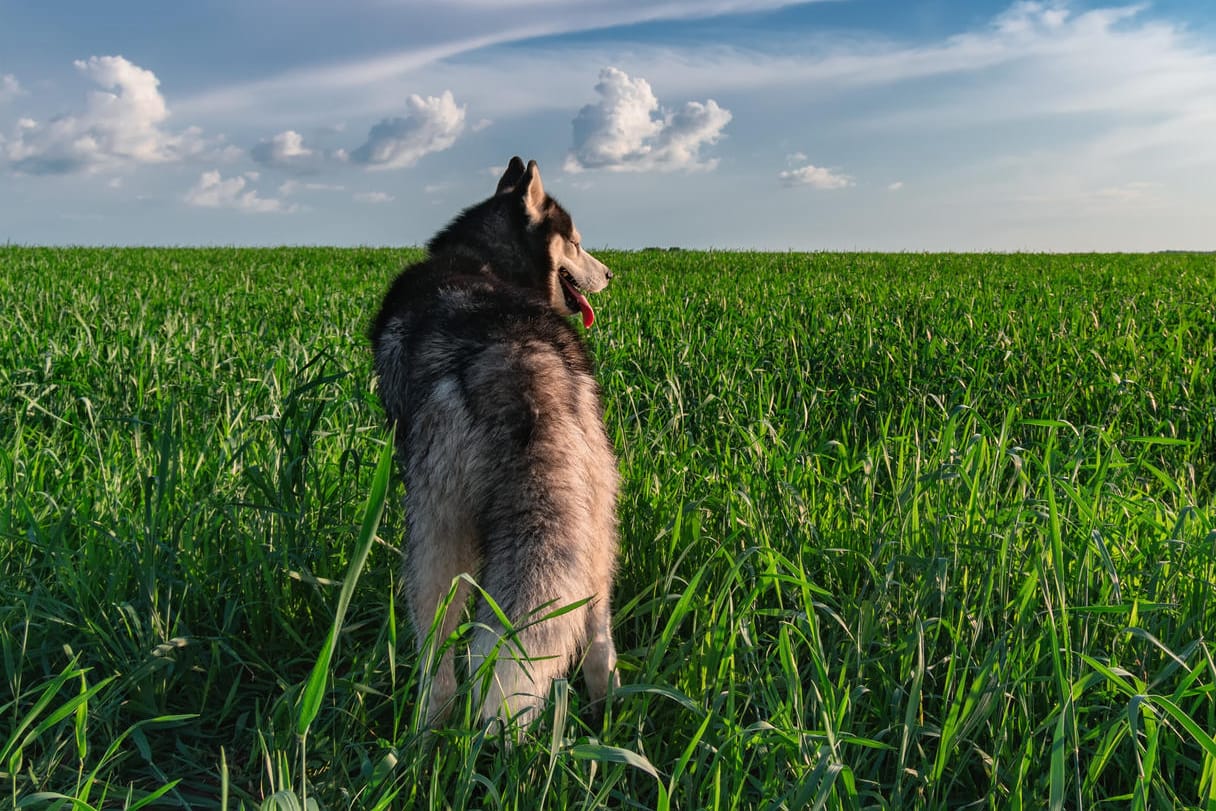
(577, 245)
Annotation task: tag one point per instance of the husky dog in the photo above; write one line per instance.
(509, 473)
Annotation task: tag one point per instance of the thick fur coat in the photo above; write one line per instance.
(509, 474)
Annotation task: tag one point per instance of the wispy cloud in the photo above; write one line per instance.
(213, 191)
(627, 130)
(373, 197)
(816, 177)
(1039, 60)
(431, 124)
(10, 88)
(437, 31)
(123, 123)
(1136, 195)
(1031, 60)
(290, 187)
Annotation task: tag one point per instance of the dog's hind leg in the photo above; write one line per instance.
(599, 665)
(527, 660)
(535, 593)
(435, 556)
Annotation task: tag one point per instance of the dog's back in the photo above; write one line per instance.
(509, 473)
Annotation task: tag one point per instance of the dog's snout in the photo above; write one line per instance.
(607, 274)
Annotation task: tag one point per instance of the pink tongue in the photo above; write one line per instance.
(584, 306)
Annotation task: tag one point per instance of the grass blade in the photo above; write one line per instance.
(314, 688)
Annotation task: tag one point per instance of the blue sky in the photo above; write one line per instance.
(841, 124)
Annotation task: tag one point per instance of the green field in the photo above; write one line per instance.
(898, 531)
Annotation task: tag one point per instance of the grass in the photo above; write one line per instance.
(898, 531)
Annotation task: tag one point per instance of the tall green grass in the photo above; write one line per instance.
(898, 531)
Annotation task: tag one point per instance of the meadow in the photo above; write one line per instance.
(898, 532)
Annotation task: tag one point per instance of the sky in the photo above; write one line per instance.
(892, 125)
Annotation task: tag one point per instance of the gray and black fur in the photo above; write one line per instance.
(509, 474)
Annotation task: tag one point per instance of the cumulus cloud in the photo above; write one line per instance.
(286, 151)
(895, 186)
(814, 176)
(431, 124)
(213, 191)
(123, 123)
(627, 129)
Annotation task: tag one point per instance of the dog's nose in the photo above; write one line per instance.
(607, 274)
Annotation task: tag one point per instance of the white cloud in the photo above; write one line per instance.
(213, 191)
(627, 130)
(289, 187)
(1031, 17)
(373, 197)
(286, 151)
(10, 88)
(895, 186)
(814, 176)
(431, 124)
(122, 124)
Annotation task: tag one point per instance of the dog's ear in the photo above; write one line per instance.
(510, 178)
(533, 192)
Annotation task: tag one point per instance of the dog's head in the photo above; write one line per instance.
(569, 271)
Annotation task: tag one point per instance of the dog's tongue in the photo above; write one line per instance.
(584, 306)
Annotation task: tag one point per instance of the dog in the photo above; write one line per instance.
(510, 476)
